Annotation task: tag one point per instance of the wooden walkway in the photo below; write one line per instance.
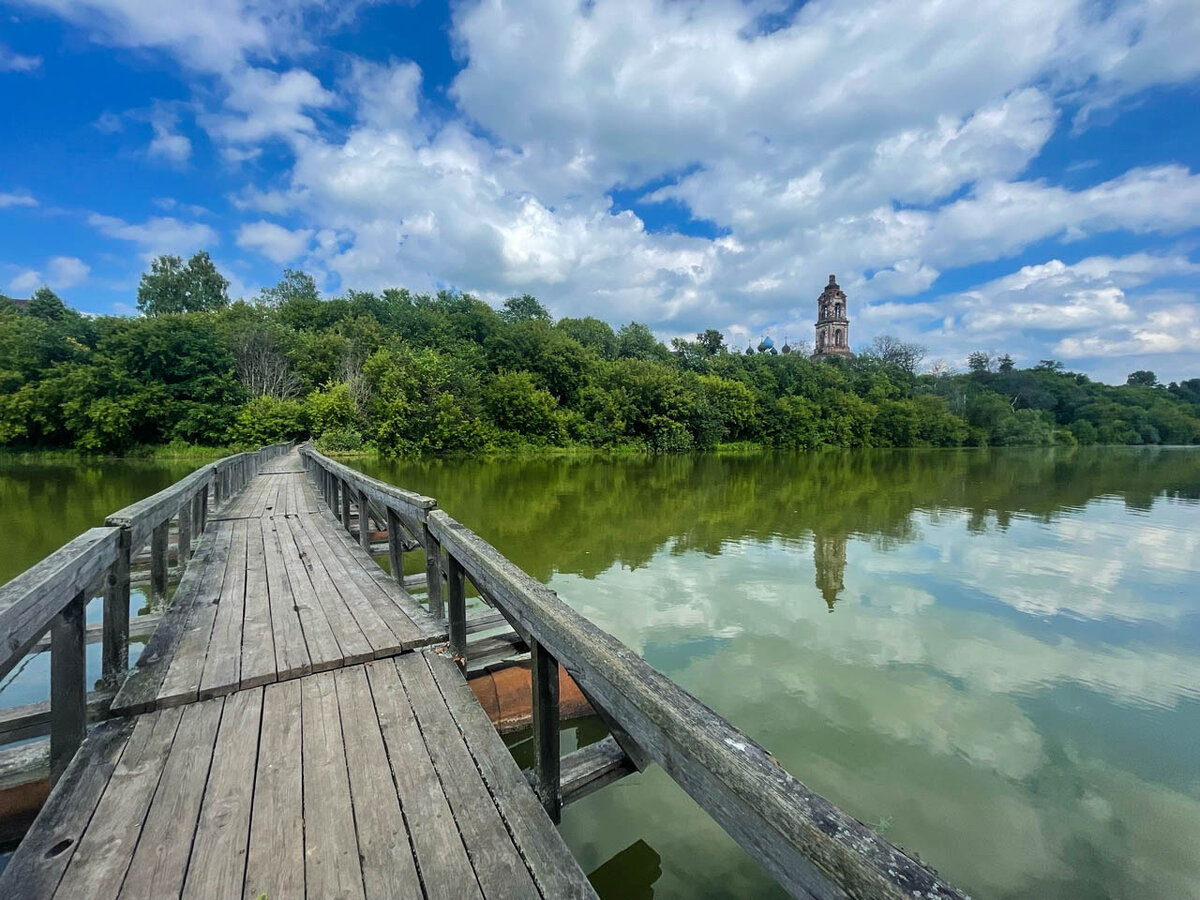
(287, 733)
(276, 590)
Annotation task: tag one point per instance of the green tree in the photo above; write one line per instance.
(172, 287)
(525, 308)
(1142, 378)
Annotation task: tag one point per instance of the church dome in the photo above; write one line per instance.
(765, 344)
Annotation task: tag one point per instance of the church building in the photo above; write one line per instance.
(833, 327)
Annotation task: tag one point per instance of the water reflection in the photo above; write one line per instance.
(1011, 680)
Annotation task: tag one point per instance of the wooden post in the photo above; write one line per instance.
(68, 686)
(456, 603)
(203, 509)
(183, 552)
(344, 490)
(114, 653)
(364, 522)
(158, 561)
(546, 753)
(433, 573)
(395, 545)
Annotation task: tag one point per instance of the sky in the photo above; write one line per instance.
(1008, 175)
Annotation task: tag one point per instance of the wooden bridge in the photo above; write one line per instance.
(298, 724)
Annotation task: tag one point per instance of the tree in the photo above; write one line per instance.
(712, 341)
(593, 333)
(45, 304)
(980, 361)
(1006, 363)
(294, 285)
(525, 308)
(903, 355)
(1142, 378)
(171, 287)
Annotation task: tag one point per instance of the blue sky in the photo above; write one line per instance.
(1020, 176)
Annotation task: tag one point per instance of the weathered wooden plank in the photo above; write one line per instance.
(348, 579)
(593, 767)
(140, 690)
(222, 666)
(410, 625)
(498, 865)
(811, 847)
(391, 600)
(115, 652)
(456, 609)
(275, 866)
(181, 683)
(332, 862)
(550, 862)
(41, 858)
(291, 652)
(161, 858)
(387, 863)
(68, 685)
(218, 862)
(546, 753)
(353, 645)
(445, 868)
(323, 651)
(158, 561)
(258, 638)
(106, 847)
(33, 598)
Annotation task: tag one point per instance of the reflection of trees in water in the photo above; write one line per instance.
(45, 504)
(582, 515)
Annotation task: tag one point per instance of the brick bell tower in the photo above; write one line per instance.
(833, 328)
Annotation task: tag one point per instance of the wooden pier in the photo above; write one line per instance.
(299, 724)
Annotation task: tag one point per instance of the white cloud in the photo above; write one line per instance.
(15, 62)
(60, 273)
(273, 241)
(18, 198)
(158, 234)
(168, 144)
(886, 142)
(64, 272)
(264, 104)
(25, 282)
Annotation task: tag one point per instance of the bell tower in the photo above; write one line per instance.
(833, 327)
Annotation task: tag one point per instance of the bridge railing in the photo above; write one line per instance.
(403, 514)
(810, 846)
(53, 594)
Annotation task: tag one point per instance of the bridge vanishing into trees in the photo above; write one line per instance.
(299, 724)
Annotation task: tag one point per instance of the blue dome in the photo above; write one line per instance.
(765, 344)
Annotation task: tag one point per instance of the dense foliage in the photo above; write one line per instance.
(414, 374)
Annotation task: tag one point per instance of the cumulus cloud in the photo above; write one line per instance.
(886, 142)
(158, 234)
(60, 273)
(275, 242)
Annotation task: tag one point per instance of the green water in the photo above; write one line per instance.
(992, 656)
(45, 503)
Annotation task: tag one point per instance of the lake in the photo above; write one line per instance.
(991, 656)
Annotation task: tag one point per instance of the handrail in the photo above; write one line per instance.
(37, 595)
(405, 511)
(811, 847)
(53, 593)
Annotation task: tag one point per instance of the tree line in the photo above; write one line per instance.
(412, 374)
